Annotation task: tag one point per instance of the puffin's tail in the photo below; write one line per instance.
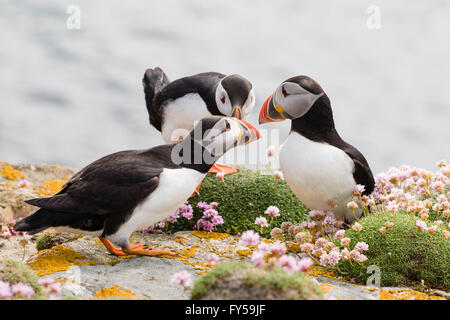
(154, 80)
(38, 221)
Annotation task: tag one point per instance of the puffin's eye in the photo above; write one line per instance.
(228, 126)
(223, 99)
(284, 92)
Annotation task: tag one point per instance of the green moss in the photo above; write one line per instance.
(209, 279)
(238, 280)
(279, 279)
(14, 272)
(49, 239)
(242, 198)
(404, 254)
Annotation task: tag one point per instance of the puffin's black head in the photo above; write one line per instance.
(292, 99)
(234, 96)
(219, 134)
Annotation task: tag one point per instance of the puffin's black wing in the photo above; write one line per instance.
(202, 83)
(113, 184)
(362, 173)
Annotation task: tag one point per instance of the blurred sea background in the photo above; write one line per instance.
(71, 96)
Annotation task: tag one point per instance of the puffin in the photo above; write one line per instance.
(131, 190)
(174, 107)
(318, 165)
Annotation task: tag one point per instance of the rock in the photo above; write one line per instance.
(45, 180)
(11, 248)
(49, 239)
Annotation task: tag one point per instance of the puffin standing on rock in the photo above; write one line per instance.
(130, 190)
(174, 107)
(321, 169)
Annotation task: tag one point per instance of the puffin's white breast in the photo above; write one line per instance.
(319, 174)
(180, 115)
(174, 188)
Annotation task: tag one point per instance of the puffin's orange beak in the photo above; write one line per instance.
(263, 115)
(269, 113)
(237, 112)
(250, 132)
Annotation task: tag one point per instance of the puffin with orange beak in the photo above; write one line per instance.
(174, 107)
(321, 169)
(133, 189)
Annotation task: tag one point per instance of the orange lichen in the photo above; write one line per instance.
(182, 254)
(293, 247)
(244, 252)
(326, 287)
(50, 187)
(115, 291)
(319, 271)
(12, 174)
(58, 258)
(210, 235)
(406, 294)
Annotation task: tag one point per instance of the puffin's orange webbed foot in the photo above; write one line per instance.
(197, 191)
(148, 252)
(222, 168)
(119, 252)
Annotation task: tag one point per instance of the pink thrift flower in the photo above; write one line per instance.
(257, 258)
(5, 289)
(278, 175)
(383, 230)
(210, 213)
(183, 278)
(421, 225)
(217, 220)
(392, 206)
(345, 242)
(261, 222)
(278, 248)
(272, 211)
(264, 247)
(187, 212)
(446, 234)
(214, 204)
(46, 281)
(220, 175)
(357, 227)
(324, 259)
(306, 247)
(389, 224)
(270, 151)
(432, 229)
(23, 290)
(249, 238)
(352, 205)
(359, 189)
(213, 258)
(203, 205)
(24, 183)
(288, 263)
(339, 235)
(345, 254)
(334, 257)
(361, 246)
(55, 287)
(304, 264)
